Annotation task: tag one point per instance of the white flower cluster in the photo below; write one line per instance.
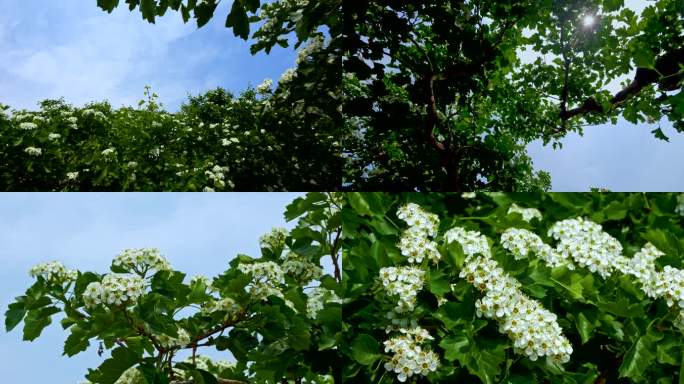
(207, 364)
(115, 289)
(274, 239)
(679, 209)
(109, 154)
(521, 241)
(264, 87)
(53, 272)
(97, 115)
(409, 357)
(587, 244)
(181, 340)
(301, 269)
(266, 276)
(471, 241)
(227, 305)
(316, 300)
(218, 177)
(315, 45)
(72, 175)
(54, 136)
(404, 282)
(533, 329)
(415, 242)
(468, 195)
(28, 126)
(33, 151)
(527, 213)
(140, 260)
(201, 279)
(287, 76)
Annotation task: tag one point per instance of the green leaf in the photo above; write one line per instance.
(455, 347)
(108, 5)
(585, 327)
(438, 282)
(639, 357)
(36, 320)
(111, 369)
(659, 134)
(15, 313)
(78, 341)
(237, 19)
(365, 349)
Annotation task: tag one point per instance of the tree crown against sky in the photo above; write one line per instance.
(278, 314)
(446, 94)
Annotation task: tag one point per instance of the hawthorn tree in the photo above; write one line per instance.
(447, 94)
(278, 314)
(313, 97)
(513, 288)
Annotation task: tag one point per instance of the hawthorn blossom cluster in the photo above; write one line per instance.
(471, 241)
(404, 282)
(587, 244)
(28, 126)
(53, 272)
(266, 276)
(114, 289)
(181, 340)
(264, 87)
(299, 268)
(141, 260)
(33, 151)
(409, 356)
(527, 213)
(274, 239)
(533, 329)
(227, 305)
(109, 154)
(206, 363)
(415, 241)
(679, 209)
(521, 242)
(317, 298)
(217, 175)
(201, 279)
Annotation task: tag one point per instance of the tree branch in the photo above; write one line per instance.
(333, 254)
(666, 73)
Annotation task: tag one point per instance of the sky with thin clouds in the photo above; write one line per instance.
(197, 233)
(73, 49)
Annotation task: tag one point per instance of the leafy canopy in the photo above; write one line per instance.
(619, 330)
(447, 94)
(278, 314)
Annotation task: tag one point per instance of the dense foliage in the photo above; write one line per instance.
(447, 94)
(257, 141)
(513, 288)
(282, 137)
(277, 314)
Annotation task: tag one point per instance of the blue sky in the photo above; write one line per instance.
(198, 234)
(621, 157)
(71, 48)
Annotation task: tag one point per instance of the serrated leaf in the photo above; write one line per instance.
(365, 349)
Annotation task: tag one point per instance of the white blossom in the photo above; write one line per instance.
(33, 151)
(527, 213)
(54, 272)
